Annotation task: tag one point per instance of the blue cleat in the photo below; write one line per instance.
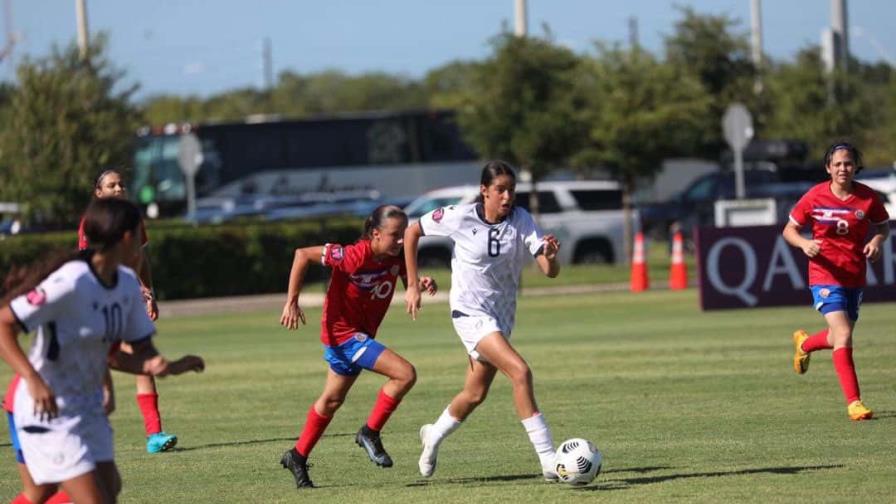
(160, 442)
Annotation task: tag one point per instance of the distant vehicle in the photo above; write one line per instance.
(585, 215)
(332, 153)
(884, 182)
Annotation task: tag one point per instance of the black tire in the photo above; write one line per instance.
(593, 251)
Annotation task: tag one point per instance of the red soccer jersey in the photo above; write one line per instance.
(360, 291)
(82, 238)
(842, 228)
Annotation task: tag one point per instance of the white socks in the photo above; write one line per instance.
(446, 424)
(540, 436)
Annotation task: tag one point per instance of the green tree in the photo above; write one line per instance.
(522, 107)
(639, 112)
(709, 48)
(69, 118)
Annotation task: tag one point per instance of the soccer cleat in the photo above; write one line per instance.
(298, 466)
(857, 411)
(427, 462)
(800, 358)
(160, 442)
(373, 445)
(550, 475)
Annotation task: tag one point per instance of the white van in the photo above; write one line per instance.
(585, 215)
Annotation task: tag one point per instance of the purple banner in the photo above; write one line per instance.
(745, 267)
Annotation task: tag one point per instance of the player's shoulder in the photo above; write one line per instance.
(71, 271)
(127, 275)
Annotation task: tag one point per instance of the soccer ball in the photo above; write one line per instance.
(578, 461)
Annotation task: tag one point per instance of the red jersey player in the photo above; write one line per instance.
(840, 212)
(361, 288)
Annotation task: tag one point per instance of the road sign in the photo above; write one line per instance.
(189, 154)
(737, 125)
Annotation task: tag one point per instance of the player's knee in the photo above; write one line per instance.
(520, 375)
(331, 403)
(408, 377)
(476, 397)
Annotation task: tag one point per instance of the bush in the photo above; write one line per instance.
(209, 261)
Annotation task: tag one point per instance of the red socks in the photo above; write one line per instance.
(818, 341)
(381, 411)
(20, 499)
(315, 425)
(149, 407)
(59, 497)
(846, 372)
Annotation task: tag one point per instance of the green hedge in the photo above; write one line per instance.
(209, 261)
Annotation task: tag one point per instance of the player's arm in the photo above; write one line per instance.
(412, 288)
(547, 258)
(144, 273)
(145, 360)
(11, 352)
(292, 313)
(872, 248)
(794, 238)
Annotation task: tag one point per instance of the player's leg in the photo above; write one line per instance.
(147, 398)
(479, 378)
(86, 489)
(841, 329)
(498, 350)
(109, 479)
(319, 415)
(804, 343)
(402, 377)
(31, 492)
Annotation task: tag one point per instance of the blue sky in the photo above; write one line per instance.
(202, 47)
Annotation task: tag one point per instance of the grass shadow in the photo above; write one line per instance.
(248, 442)
(518, 477)
(624, 483)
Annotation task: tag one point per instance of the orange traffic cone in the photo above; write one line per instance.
(678, 271)
(640, 281)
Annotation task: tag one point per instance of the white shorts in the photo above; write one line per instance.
(65, 447)
(472, 329)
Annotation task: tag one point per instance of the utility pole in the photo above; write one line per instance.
(81, 12)
(267, 64)
(756, 41)
(633, 42)
(521, 27)
(840, 27)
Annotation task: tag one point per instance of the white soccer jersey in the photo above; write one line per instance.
(77, 319)
(487, 258)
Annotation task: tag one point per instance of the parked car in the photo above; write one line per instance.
(884, 182)
(586, 216)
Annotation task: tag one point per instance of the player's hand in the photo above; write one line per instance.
(429, 285)
(108, 394)
(291, 316)
(152, 309)
(412, 300)
(811, 247)
(44, 398)
(551, 247)
(872, 251)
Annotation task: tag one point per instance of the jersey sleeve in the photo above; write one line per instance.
(443, 221)
(802, 211)
(877, 213)
(43, 303)
(82, 238)
(530, 233)
(345, 258)
(139, 325)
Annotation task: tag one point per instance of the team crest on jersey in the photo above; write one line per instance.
(824, 293)
(336, 252)
(475, 230)
(36, 297)
(860, 214)
(360, 337)
(438, 214)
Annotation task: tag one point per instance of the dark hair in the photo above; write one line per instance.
(99, 178)
(852, 149)
(379, 215)
(107, 220)
(491, 171)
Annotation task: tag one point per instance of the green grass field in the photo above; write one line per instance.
(686, 406)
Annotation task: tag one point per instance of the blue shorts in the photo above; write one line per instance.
(349, 358)
(14, 438)
(832, 298)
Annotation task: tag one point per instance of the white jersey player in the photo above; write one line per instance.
(81, 309)
(492, 240)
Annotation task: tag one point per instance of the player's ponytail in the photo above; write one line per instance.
(378, 217)
(107, 220)
(491, 171)
(24, 278)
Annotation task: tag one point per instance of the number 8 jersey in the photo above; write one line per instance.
(487, 258)
(842, 228)
(78, 319)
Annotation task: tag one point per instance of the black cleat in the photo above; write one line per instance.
(298, 466)
(373, 445)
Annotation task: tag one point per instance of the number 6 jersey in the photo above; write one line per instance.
(487, 258)
(842, 228)
(78, 319)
